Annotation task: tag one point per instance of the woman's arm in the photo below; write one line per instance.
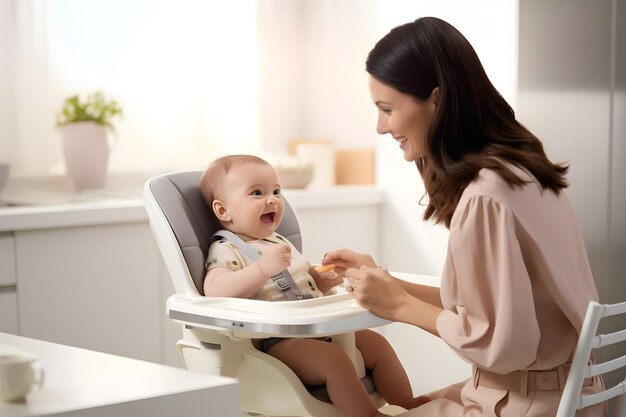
(426, 293)
(387, 297)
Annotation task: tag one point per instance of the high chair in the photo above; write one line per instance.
(220, 334)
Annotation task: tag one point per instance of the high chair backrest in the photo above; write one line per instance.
(179, 214)
(573, 399)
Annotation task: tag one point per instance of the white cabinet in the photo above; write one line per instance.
(8, 298)
(7, 260)
(8, 311)
(96, 287)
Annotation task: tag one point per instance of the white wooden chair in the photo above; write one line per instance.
(573, 399)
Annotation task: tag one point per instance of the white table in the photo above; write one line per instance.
(81, 383)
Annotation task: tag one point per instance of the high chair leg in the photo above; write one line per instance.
(211, 352)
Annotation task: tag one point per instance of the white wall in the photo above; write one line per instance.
(313, 82)
(281, 95)
(8, 144)
(186, 74)
(572, 95)
(573, 99)
(411, 244)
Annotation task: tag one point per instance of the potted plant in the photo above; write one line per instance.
(84, 124)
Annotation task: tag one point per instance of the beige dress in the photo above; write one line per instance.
(515, 289)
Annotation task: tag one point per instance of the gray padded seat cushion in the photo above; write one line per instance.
(178, 195)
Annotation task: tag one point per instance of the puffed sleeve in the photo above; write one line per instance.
(224, 254)
(489, 314)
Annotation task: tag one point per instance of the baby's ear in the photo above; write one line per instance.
(219, 208)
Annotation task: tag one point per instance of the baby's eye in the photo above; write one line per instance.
(257, 193)
(277, 192)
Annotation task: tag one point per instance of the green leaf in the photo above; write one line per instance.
(94, 107)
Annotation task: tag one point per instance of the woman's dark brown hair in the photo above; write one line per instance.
(473, 128)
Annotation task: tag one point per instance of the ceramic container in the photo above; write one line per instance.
(19, 373)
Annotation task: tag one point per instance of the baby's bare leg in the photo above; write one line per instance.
(391, 380)
(317, 362)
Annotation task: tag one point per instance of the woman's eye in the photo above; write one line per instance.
(386, 111)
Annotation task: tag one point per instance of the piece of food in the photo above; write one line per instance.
(325, 268)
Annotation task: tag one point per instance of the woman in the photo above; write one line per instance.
(516, 281)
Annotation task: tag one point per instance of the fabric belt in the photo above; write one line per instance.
(524, 381)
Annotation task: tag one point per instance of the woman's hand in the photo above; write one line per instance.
(345, 258)
(376, 290)
(385, 296)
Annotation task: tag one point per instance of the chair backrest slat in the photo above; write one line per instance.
(610, 339)
(605, 395)
(614, 309)
(606, 367)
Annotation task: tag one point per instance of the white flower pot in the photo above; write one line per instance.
(86, 152)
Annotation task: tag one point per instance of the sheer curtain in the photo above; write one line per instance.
(7, 79)
(184, 71)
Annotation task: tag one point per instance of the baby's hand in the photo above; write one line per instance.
(275, 259)
(326, 271)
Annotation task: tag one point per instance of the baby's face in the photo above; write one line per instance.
(253, 201)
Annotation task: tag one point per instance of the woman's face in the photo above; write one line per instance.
(405, 117)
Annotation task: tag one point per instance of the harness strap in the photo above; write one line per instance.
(283, 279)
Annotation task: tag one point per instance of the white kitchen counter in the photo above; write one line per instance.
(79, 382)
(97, 208)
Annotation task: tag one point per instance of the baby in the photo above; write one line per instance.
(245, 196)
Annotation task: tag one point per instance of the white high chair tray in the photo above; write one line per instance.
(324, 316)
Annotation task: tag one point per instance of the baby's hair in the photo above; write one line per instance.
(213, 177)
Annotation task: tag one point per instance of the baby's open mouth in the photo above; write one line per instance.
(268, 218)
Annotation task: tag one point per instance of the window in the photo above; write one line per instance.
(185, 73)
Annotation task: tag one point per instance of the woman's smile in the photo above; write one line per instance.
(401, 141)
